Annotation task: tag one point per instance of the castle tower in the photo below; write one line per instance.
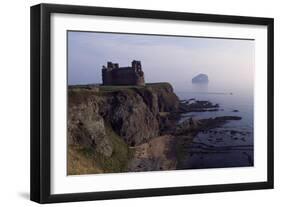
(115, 65)
(136, 65)
(110, 65)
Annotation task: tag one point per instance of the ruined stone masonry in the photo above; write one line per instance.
(115, 75)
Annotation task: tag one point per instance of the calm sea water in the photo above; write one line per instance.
(230, 145)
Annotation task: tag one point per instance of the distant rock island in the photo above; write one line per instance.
(201, 78)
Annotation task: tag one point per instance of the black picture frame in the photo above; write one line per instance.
(41, 99)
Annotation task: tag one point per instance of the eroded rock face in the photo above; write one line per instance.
(86, 127)
(134, 114)
(131, 118)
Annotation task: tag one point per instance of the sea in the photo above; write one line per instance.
(230, 145)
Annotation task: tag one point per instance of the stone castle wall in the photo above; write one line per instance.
(113, 75)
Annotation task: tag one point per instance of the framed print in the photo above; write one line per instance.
(133, 103)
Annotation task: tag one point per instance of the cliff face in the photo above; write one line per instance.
(135, 114)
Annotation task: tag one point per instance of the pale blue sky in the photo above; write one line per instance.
(164, 58)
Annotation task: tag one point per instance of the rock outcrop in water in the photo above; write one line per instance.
(193, 105)
(201, 78)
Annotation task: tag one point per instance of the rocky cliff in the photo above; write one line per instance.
(134, 113)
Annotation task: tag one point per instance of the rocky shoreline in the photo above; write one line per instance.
(133, 128)
(212, 145)
(193, 105)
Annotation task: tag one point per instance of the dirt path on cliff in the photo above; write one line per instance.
(156, 154)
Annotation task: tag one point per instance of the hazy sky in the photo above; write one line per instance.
(228, 63)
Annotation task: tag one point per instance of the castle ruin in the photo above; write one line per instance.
(115, 75)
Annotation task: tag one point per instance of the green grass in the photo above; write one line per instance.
(80, 161)
(128, 89)
(112, 88)
(121, 154)
(83, 160)
(159, 84)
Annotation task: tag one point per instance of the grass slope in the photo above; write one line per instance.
(83, 160)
